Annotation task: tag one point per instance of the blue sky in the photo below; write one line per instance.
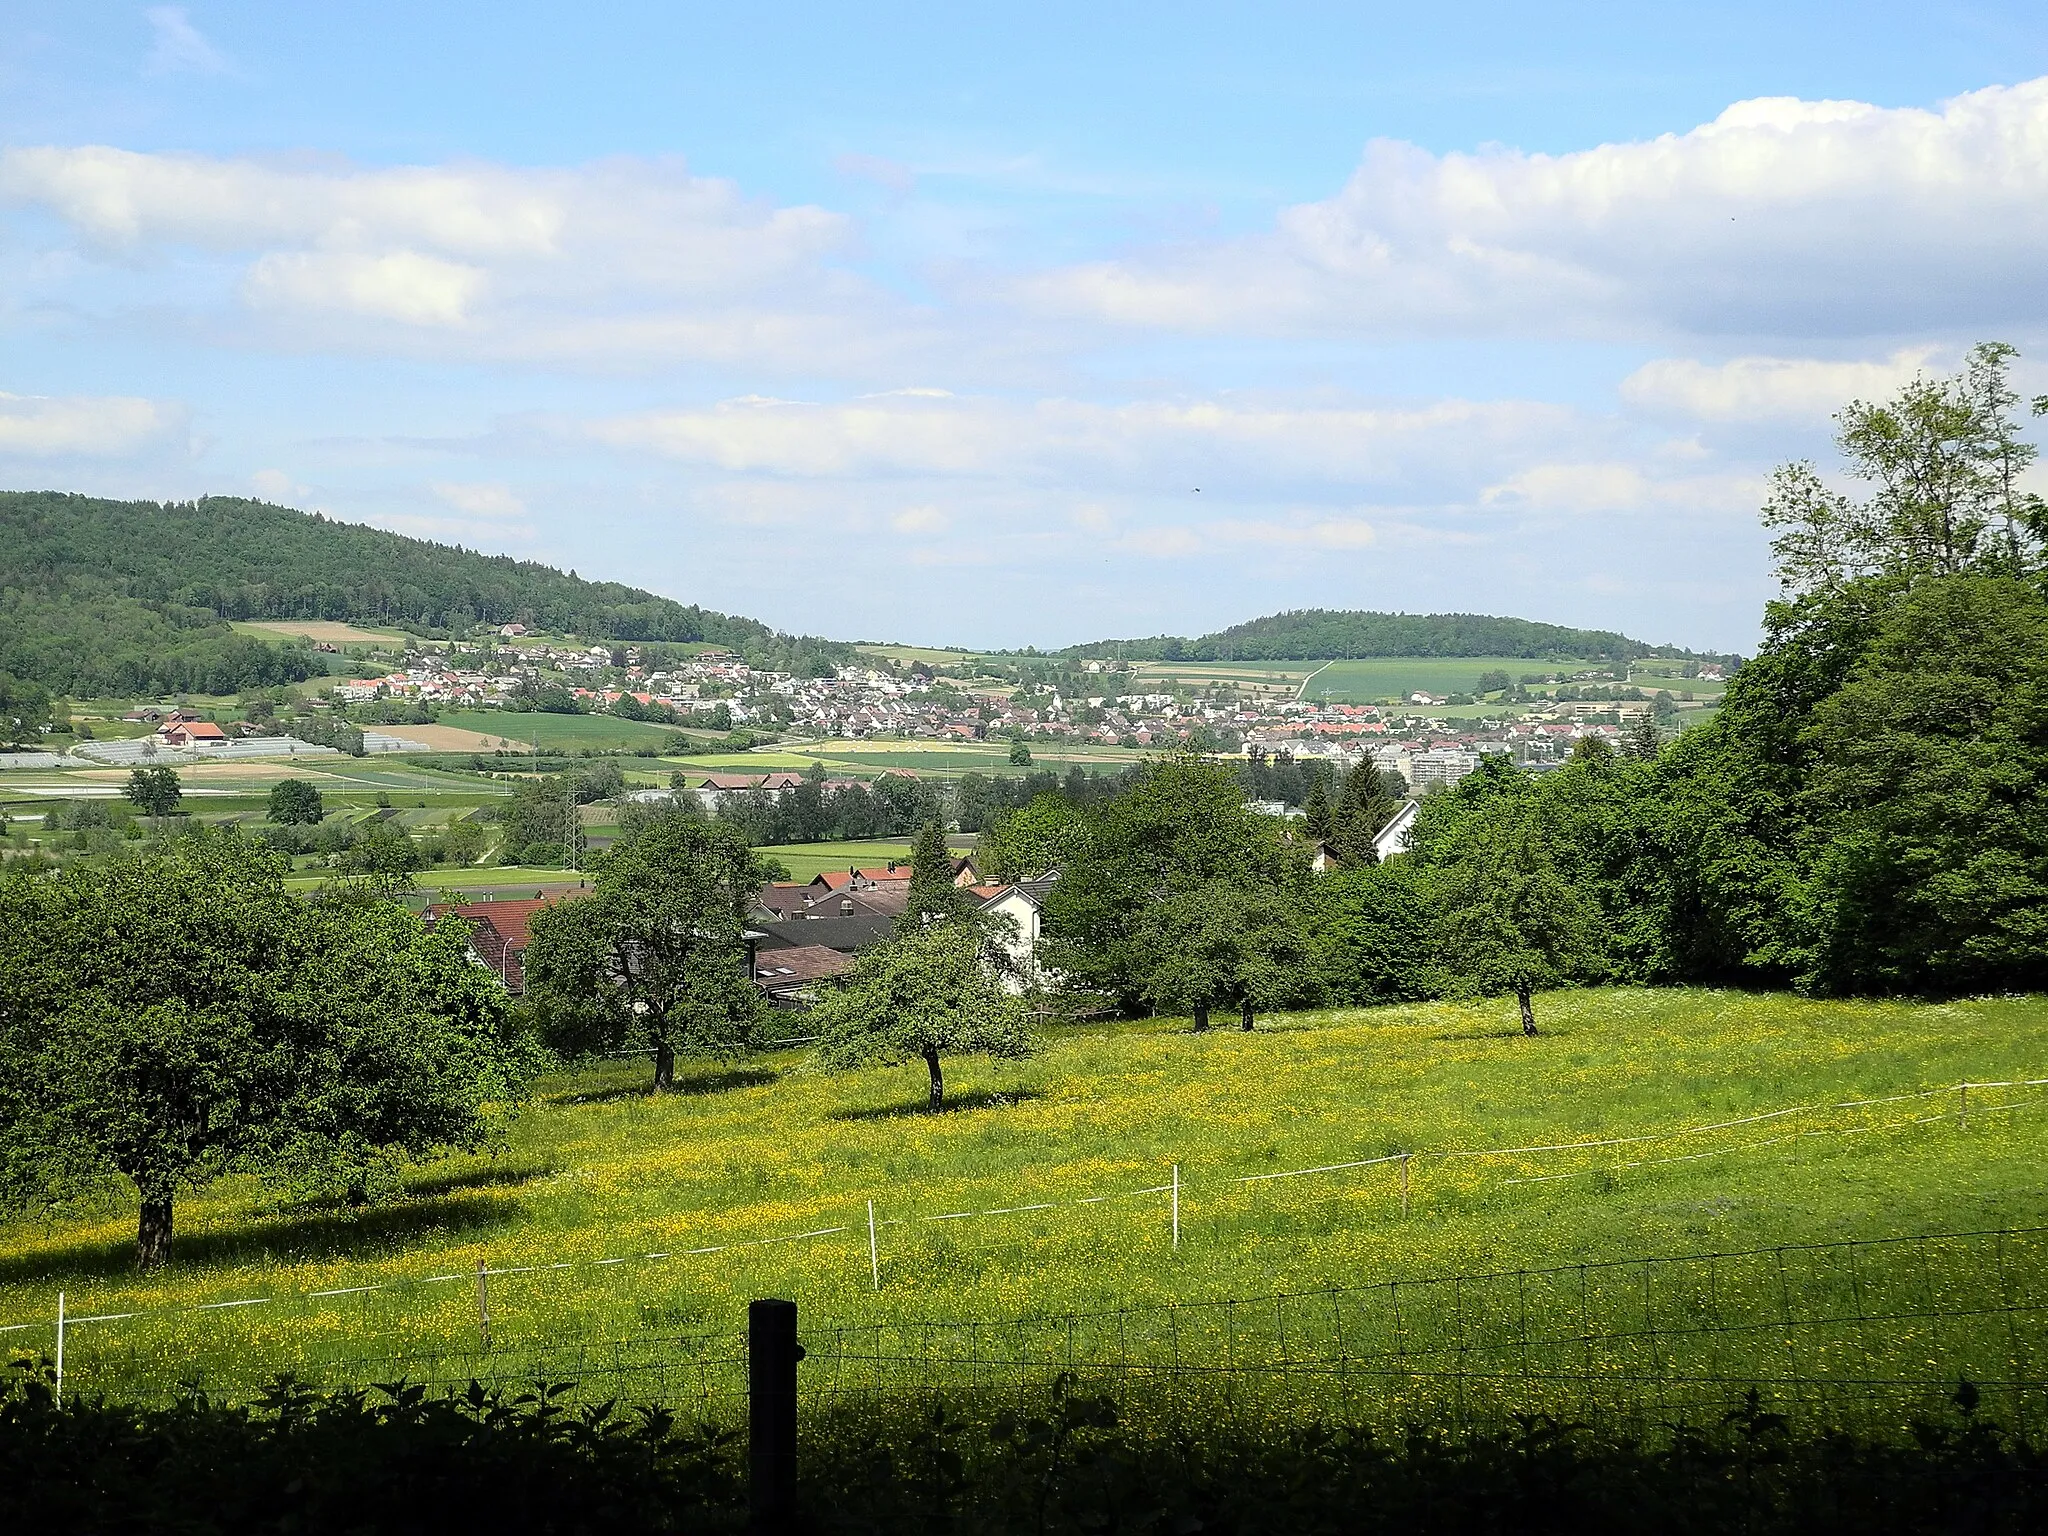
(1007, 325)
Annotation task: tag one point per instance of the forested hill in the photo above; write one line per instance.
(1323, 634)
(123, 597)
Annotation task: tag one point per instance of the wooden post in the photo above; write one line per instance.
(1962, 1106)
(874, 1253)
(60, 1349)
(483, 1303)
(1404, 1185)
(772, 1354)
(1176, 1207)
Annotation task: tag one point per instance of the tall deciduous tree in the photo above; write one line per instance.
(1178, 826)
(154, 790)
(1511, 921)
(921, 996)
(178, 1016)
(655, 958)
(1226, 944)
(295, 803)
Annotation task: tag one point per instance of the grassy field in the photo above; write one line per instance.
(555, 733)
(321, 631)
(904, 655)
(1395, 677)
(864, 759)
(774, 1150)
(806, 861)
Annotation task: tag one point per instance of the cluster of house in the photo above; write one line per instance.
(185, 728)
(1431, 758)
(800, 934)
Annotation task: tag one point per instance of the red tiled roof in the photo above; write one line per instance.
(498, 931)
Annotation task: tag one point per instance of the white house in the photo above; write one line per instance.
(1024, 905)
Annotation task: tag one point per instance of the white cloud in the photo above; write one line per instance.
(85, 426)
(403, 285)
(1178, 448)
(487, 499)
(277, 486)
(1763, 389)
(618, 261)
(1606, 487)
(926, 519)
(1779, 217)
(178, 45)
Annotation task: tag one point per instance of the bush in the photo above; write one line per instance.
(399, 1459)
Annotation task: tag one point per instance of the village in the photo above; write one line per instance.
(719, 690)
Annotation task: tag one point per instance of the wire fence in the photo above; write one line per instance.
(1862, 1334)
(443, 1324)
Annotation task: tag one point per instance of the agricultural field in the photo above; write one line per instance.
(905, 655)
(319, 631)
(553, 733)
(1263, 679)
(940, 759)
(806, 861)
(1395, 677)
(1639, 1122)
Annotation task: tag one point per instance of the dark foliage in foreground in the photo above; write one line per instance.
(398, 1460)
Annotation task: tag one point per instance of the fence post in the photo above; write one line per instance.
(1176, 1207)
(60, 1349)
(772, 1354)
(1404, 1186)
(483, 1303)
(1962, 1106)
(874, 1253)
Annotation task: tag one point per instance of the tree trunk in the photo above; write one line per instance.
(153, 1232)
(938, 1099)
(1528, 1012)
(664, 1068)
(1201, 1016)
(1247, 1016)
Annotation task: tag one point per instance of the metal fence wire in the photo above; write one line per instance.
(1865, 1333)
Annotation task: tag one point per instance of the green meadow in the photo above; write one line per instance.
(1395, 677)
(555, 733)
(1042, 1188)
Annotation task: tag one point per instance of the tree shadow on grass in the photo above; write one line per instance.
(299, 1236)
(1512, 1032)
(959, 1104)
(685, 1087)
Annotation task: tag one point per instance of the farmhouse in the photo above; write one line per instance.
(497, 933)
(192, 733)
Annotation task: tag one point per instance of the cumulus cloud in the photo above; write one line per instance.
(1781, 217)
(618, 261)
(178, 47)
(486, 499)
(1160, 447)
(1619, 487)
(1768, 389)
(86, 426)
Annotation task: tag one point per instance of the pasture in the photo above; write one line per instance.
(806, 861)
(1395, 677)
(1756, 1120)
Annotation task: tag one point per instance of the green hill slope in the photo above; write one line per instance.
(1321, 634)
(1763, 1119)
(125, 597)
